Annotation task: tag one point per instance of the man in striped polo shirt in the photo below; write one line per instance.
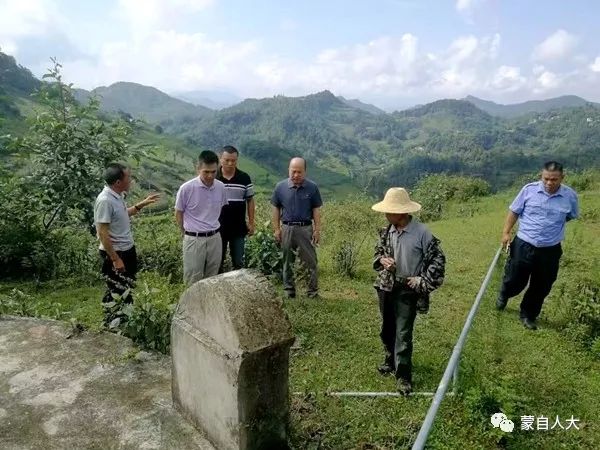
(240, 194)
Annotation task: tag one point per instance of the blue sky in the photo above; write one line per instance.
(393, 53)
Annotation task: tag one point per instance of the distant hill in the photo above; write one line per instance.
(347, 145)
(379, 150)
(16, 79)
(532, 106)
(209, 99)
(301, 124)
(168, 160)
(143, 102)
(356, 103)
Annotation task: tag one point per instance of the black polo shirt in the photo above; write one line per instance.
(239, 189)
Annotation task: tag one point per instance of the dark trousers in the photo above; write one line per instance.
(398, 311)
(236, 251)
(536, 265)
(119, 282)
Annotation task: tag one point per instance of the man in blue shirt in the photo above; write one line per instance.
(542, 209)
(297, 224)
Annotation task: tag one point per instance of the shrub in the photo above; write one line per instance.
(148, 320)
(583, 315)
(346, 258)
(347, 226)
(434, 191)
(17, 303)
(158, 244)
(263, 252)
(581, 181)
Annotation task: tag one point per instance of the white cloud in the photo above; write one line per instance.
(556, 47)
(8, 46)
(508, 79)
(548, 80)
(468, 8)
(143, 17)
(26, 18)
(387, 66)
(595, 66)
(170, 61)
(151, 52)
(21, 19)
(465, 5)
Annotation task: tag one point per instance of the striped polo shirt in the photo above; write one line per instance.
(239, 189)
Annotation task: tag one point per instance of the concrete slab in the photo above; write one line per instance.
(92, 391)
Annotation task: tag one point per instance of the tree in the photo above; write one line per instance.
(70, 147)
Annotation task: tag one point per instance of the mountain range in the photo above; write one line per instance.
(142, 102)
(349, 144)
(532, 106)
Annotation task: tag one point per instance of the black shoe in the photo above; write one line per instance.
(386, 368)
(314, 295)
(290, 294)
(403, 386)
(501, 303)
(528, 323)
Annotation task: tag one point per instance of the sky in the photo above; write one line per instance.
(392, 53)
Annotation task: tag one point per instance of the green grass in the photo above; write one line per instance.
(503, 366)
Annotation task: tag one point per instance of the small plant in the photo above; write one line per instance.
(147, 321)
(582, 317)
(263, 252)
(346, 258)
(18, 303)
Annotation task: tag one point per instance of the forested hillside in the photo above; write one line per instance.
(348, 145)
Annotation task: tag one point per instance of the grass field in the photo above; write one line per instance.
(503, 368)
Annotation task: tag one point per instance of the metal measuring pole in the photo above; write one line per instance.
(452, 367)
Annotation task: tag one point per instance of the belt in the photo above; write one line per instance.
(202, 233)
(302, 223)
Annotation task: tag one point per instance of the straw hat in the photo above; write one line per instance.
(396, 201)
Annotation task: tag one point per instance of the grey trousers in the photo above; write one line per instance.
(297, 237)
(201, 257)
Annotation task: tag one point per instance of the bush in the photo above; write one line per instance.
(434, 191)
(17, 303)
(158, 245)
(581, 181)
(148, 320)
(263, 253)
(583, 314)
(346, 258)
(347, 226)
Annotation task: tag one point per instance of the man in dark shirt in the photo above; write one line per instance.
(240, 193)
(297, 224)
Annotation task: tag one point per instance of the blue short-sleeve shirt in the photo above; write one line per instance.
(542, 216)
(298, 202)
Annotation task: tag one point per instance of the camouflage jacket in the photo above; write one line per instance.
(432, 269)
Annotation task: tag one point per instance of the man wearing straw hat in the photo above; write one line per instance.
(410, 265)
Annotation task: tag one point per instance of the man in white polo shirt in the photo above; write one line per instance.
(117, 250)
(197, 210)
